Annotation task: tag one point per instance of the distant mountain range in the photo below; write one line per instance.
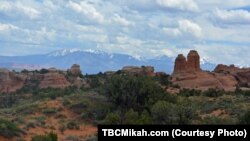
(91, 61)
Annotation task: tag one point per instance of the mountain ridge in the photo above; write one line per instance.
(92, 61)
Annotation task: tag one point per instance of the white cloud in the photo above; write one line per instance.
(5, 6)
(224, 54)
(223, 4)
(10, 8)
(186, 28)
(4, 27)
(27, 10)
(122, 21)
(175, 32)
(128, 40)
(232, 16)
(190, 27)
(87, 10)
(186, 5)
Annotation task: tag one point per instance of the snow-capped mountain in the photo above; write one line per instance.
(91, 61)
(63, 52)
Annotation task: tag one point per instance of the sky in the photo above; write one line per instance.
(218, 29)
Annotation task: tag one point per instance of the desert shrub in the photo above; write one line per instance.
(31, 124)
(94, 82)
(164, 112)
(163, 79)
(213, 92)
(73, 138)
(20, 120)
(50, 111)
(189, 92)
(43, 71)
(131, 117)
(245, 119)
(24, 71)
(66, 102)
(176, 86)
(20, 140)
(215, 120)
(73, 125)
(8, 100)
(49, 137)
(62, 127)
(40, 120)
(112, 118)
(8, 129)
(137, 93)
(145, 118)
(26, 108)
(92, 138)
(53, 93)
(207, 106)
(186, 111)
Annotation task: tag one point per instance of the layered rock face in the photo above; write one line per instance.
(243, 78)
(138, 71)
(9, 81)
(241, 75)
(54, 79)
(188, 74)
(75, 70)
(226, 69)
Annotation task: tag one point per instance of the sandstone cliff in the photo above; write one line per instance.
(54, 79)
(9, 81)
(241, 75)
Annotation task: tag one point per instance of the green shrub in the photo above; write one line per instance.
(49, 137)
(131, 117)
(8, 129)
(213, 92)
(137, 93)
(112, 118)
(164, 113)
(189, 92)
(215, 120)
(245, 119)
(49, 111)
(73, 125)
(73, 138)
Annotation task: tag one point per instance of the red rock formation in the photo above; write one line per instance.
(9, 81)
(193, 61)
(75, 70)
(241, 75)
(243, 78)
(134, 70)
(54, 79)
(188, 74)
(160, 74)
(226, 69)
(180, 64)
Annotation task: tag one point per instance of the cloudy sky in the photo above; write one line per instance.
(218, 29)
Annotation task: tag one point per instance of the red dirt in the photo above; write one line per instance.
(52, 123)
